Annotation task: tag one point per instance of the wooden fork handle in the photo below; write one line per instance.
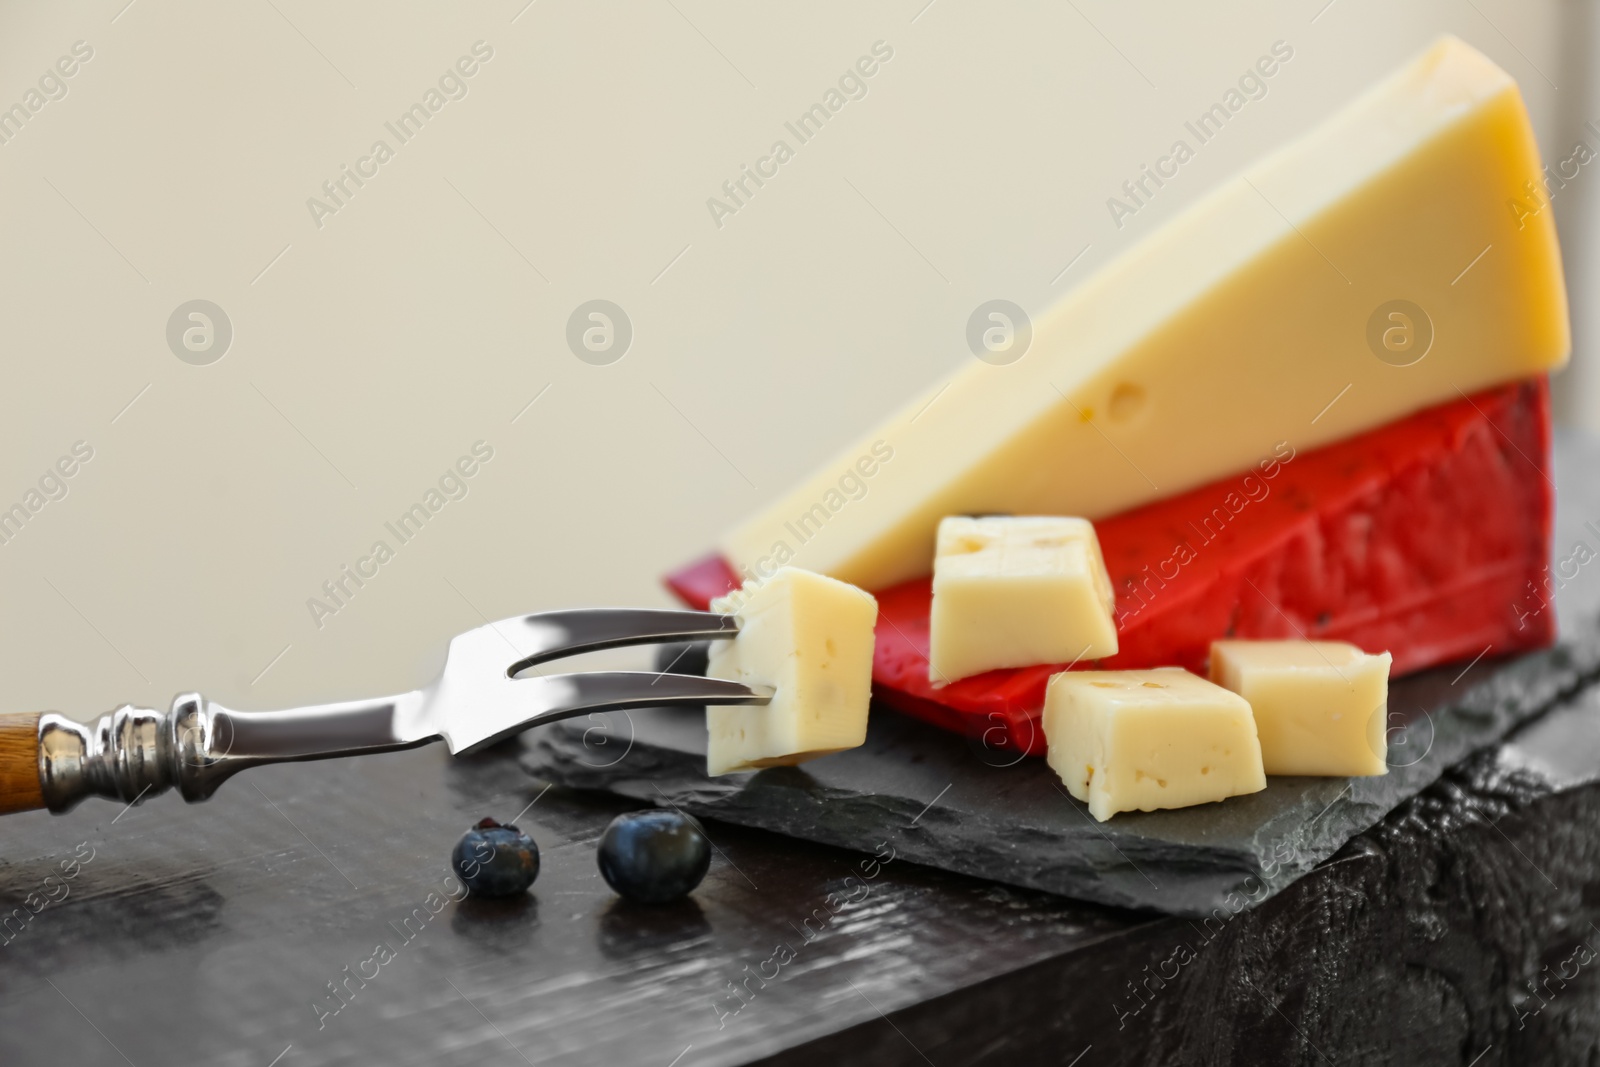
(20, 788)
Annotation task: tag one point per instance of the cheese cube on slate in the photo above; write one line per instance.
(810, 639)
(1142, 740)
(1321, 707)
(1014, 591)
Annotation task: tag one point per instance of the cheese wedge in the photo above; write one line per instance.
(1263, 314)
(1012, 591)
(809, 638)
(1321, 707)
(1142, 740)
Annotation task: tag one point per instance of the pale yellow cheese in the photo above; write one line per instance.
(1321, 707)
(1142, 740)
(1242, 323)
(1013, 591)
(809, 638)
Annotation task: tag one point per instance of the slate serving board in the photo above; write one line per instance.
(988, 813)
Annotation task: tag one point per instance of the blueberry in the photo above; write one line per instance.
(683, 657)
(654, 856)
(496, 861)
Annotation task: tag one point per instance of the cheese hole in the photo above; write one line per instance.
(1205, 770)
(1126, 401)
(828, 647)
(968, 544)
(1154, 685)
(1104, 685)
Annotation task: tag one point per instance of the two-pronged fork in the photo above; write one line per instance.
(50, 761)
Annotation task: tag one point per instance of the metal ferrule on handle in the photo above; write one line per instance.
(196, 745)
(126, 754)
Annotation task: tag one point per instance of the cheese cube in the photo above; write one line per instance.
(1013, 591)
(1142, 740)
(810, 639)
(1321, 707)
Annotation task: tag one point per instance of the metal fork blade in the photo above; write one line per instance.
(560, 696)
(553, 634)
(475, 701)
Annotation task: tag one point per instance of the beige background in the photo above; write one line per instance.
(369, 354)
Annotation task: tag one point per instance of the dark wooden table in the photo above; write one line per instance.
(1464, 929)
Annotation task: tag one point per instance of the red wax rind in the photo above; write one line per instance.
(702, 581)
(1428, 538)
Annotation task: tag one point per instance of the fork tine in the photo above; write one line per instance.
(552, 697)
(552, 634)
